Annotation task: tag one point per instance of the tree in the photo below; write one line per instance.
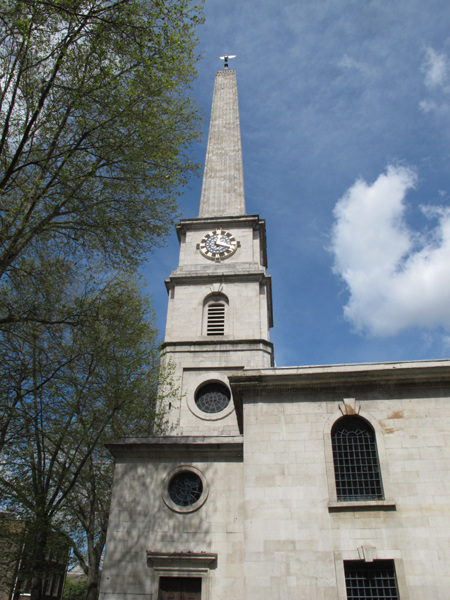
(86, 514)
(88, 510)
(95, 128)
(74, 388)
(96, 125)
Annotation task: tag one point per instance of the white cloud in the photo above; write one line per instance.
(435, 68)
(440, 108)
(347, 62)
(397, 278)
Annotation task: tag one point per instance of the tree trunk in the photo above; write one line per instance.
(93, 580)
(36, 563)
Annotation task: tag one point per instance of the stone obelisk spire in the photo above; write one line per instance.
(223, 179)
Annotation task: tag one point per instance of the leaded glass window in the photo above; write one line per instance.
(185, 488)
(369, 580)
(212, 397)
(356, 464)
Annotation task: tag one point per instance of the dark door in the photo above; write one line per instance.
(180, 588)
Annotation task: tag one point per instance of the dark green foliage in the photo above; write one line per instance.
(75, 589)
(95, 123)
(95, 127)
(67, 389)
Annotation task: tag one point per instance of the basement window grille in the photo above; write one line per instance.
(216, 318)
(356, 464)
(366, 581)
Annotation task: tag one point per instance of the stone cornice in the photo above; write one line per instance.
(341, 379)
(177, 445)
(200, 223)
(218, 343)
(330, 375)
(192, 276)
(188, 559)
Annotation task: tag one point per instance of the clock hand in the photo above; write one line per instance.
(218, 243)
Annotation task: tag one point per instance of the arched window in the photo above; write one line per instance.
(214, 313)
(355, 457)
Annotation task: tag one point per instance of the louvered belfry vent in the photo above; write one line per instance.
(216, 318)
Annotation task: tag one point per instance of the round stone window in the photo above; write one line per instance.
(185, 488)
(213, 397)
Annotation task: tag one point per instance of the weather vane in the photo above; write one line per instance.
(226, 58)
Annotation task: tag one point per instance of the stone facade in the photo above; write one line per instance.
(244, 497)
(297, 534)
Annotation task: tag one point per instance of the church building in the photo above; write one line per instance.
(297, 483)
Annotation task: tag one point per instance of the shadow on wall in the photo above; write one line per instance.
(141, 520)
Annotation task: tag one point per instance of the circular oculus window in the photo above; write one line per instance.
(185, 490)
(213, 397)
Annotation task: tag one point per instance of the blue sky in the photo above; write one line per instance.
(345, 125)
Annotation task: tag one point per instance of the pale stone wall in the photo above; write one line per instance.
(248, 252)
(294, 544)
(140, 521)
(242, 282)
(246, 311)
(194, 366)
(271, 514)
(223, 179)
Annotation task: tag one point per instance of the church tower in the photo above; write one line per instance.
(295, 482)
(220, 298)
(176, 525)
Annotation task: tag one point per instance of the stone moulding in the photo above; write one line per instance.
(181, 564)
(155, 447)
(219, 345)
(269, 384)
(197, 560)
(362, 506)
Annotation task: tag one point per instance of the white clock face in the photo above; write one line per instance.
(218, 244)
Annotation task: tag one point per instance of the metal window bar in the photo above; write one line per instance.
(366, 581)
(216, 319)
(356, 465)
